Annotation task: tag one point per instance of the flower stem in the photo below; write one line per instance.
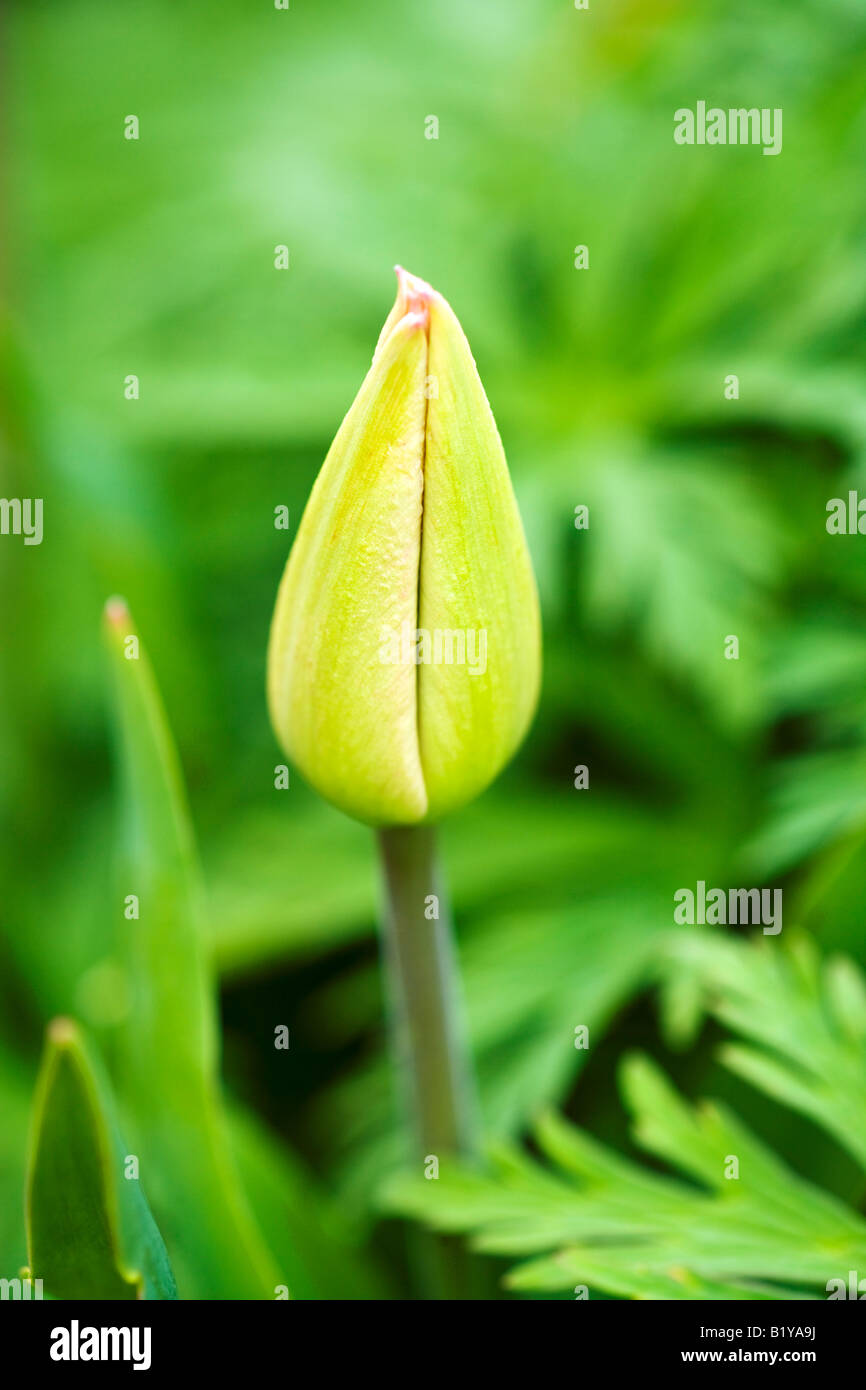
(426, 1027)
(419, 951)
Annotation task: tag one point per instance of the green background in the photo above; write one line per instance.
(306, 128)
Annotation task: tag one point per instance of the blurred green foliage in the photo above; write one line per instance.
(156, 258)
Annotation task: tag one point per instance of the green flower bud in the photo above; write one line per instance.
(405, 648)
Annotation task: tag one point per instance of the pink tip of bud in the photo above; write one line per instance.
(415, 294)
(417, 318)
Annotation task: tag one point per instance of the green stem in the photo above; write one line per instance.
(419, 951)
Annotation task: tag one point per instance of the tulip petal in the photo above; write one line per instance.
(344, 715)
(476, 578)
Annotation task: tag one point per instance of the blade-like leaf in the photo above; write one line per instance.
(90, 1233)
(16, 1095)
(169, 1054)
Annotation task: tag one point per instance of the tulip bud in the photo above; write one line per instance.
(405, 651)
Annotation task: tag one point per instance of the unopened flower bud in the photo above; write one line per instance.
(405, 649)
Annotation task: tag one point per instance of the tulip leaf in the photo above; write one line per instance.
(16, 1104)
(168, 1044)
(90, 1231)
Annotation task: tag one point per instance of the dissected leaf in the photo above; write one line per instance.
(803, 1019)
(756, 1229)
